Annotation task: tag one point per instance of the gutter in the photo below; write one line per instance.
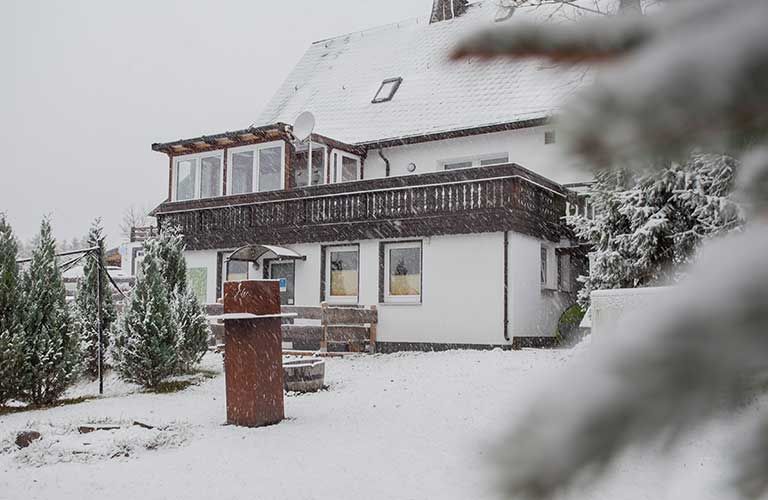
(506, 286)
(386, 162)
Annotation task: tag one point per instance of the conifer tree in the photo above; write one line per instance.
(193, 329)
(10, 326)
(694, 73)
(168, 248)
(85, 302)
(49, 345)
(648, 225)
(145, 349)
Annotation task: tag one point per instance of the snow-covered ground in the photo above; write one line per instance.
(401, 426)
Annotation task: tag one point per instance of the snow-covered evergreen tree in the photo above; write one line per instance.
(168, 248)
(647, 225)
(193, 329)
(50, 348)
(10, 324)
(85, 304)
(146, 344)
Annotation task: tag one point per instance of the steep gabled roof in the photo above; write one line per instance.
(338, 78)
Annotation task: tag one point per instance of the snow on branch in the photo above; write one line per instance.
(590, 40)
(693, 74)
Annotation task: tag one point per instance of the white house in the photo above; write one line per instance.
(435, 189)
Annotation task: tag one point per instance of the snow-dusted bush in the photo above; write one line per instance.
(49, 346)
(648, 225)
(85, 319)
(10, 320)
(145, 348)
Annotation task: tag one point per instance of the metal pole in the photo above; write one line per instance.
(98, 319)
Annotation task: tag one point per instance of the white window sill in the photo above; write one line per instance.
(409, 304)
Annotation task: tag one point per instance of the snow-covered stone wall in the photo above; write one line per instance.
(610, 309)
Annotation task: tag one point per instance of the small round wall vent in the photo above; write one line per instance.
(411, 167)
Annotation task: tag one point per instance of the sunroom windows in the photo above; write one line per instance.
(345, 167)
(342, 274)
(402, 272)
(301, 173)
(197, 176)
(256, 168)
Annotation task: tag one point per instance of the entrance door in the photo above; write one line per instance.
(285, 271)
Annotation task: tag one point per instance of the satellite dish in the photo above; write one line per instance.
(304, 125)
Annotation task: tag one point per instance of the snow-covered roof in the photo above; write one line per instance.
(338, 78)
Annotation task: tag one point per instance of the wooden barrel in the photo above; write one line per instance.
(304, 374)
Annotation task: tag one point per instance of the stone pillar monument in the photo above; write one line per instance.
(253, 353)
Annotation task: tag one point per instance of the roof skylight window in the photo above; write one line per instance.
(387, 90)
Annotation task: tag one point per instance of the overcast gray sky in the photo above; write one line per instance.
(88, 86)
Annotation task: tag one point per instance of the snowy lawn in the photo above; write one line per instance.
(402, 426)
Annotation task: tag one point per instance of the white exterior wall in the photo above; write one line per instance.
(525, 147)
(462, 288)
(533, 311)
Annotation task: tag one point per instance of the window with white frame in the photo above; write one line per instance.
(478, 161)
(301, 173)
(345, 167)
(256, 168)
(342, 274)
(402, 272)
(544, 266)
(197, 176)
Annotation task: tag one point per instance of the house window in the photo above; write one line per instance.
(301, 172)
(402, 272)
(345, 167)
(256, 168)
(237, 270)
(210, 177)
(270, 168)
(549, 137)
(544, 270)
(197, 176)
(242, 172)
(564, 272)
(342, 268)
(186, 173)
(479, 161)
(387, 90)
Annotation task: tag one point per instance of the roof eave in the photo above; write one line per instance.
(452, 134)
(217, 141)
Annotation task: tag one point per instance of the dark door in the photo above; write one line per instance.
(285, 271)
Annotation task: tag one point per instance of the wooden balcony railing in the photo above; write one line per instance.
(504, 197)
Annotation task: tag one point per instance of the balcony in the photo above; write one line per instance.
(486, 199)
